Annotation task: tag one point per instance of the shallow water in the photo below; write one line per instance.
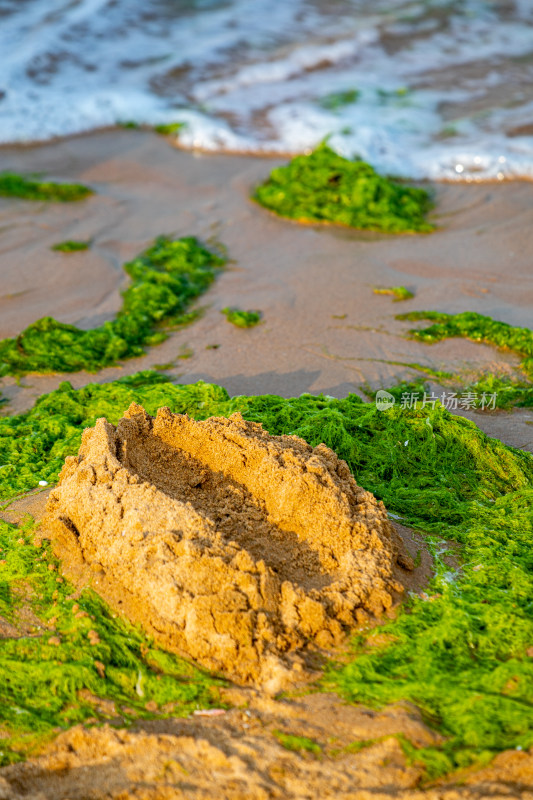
(445, 88)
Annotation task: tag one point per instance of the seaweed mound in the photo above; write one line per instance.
(13, 185)
(165, 279)
(325, 187)
(237, 548)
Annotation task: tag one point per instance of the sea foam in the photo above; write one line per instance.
(443, 91)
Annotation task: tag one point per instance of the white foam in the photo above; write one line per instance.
(250, 75)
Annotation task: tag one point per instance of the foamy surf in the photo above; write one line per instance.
(422, 89)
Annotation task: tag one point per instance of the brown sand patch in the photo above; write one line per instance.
(32, 504)
(237, 548)
(239, 756)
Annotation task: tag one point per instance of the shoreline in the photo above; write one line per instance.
(174, 142)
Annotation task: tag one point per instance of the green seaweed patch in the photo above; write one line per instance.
(431, 759)
(337, 100)
(67, 661)
(298, 744)
(129, 125)
(13, 185)
(355, 747)
(508, 392)
(165, 279)
(401, 97)
(448, 132)
(242, 319)
(164, 367)
(459, 651)
(398, 292)
(169, 129)
(439, 374)
(71, 246)
(492, 390)
(435, 761)
(487, 393)
(325, 187)
(478, 328)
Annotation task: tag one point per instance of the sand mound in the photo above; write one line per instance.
(227, 544)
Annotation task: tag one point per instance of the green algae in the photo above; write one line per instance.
(448, 132)
(508, 392)
(13, 185)
(398, 292)
(74, 660)
(242, 319)
(479, 328)
(169, 128)
(70, 246)
(325, 187)
(459, 651)
(401, 98)
(336, 100)
(355, 747)
(165, 279)
(439, 374)
(298, 744)
(487, 393)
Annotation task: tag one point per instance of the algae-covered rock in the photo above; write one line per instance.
(237, 548)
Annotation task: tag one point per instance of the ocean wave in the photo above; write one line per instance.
(425, 89)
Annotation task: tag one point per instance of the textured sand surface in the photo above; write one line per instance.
(323, 329)
(233, 546)
(238, 756)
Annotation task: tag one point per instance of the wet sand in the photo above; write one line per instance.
(323, 330)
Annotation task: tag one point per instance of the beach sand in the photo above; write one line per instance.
(239, 756)
(323, 330)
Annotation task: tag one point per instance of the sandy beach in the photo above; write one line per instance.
(271, 537)
(323, 329)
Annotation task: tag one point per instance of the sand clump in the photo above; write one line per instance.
(240, 756)
(239, 549)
